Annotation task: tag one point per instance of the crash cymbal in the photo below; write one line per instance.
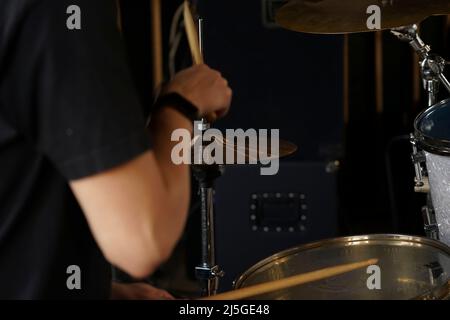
(250, 153)
(350, 16)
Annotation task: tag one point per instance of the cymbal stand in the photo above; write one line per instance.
(432, 65)
(432, 71)
(208, 272)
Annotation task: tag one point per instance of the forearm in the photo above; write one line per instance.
(163, 124)
(176, 178)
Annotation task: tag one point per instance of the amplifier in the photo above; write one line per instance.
(257, 216)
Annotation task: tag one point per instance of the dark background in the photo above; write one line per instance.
(298, 83)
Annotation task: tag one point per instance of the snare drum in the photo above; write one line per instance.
(432, 135)
(409, 268)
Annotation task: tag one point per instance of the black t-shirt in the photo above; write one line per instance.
(68, 110)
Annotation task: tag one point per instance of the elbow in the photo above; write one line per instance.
(137, 271)
(139, 263)
(138, 268)
(142, 249)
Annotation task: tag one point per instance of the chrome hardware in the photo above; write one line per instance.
(421, 184)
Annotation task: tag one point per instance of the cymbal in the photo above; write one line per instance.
(253, 154)
(350, 16)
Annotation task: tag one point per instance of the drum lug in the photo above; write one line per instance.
(422, 184)
(431, 227)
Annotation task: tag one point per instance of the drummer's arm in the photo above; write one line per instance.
(137, 211)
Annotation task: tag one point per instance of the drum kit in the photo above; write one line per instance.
(410, 267)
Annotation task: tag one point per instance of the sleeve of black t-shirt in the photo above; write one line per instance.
(85, 111)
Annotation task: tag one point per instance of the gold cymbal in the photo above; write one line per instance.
(250, 153)
(350, 16)
(266, 153)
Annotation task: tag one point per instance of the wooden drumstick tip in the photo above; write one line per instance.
(192, 34)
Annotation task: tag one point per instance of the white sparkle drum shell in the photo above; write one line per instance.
(432, 132)
(439, 176)
(410, 268)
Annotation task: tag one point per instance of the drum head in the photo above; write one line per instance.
(410, 268)
(433, 129)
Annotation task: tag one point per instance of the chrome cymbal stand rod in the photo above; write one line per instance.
(208, 273)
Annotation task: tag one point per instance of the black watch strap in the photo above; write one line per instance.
(178, 102)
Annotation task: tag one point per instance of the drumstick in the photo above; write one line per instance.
(272, 286)
(194, 45)
(157, 43)
(192, 34)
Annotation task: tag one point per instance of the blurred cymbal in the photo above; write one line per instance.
(255, 154)
(350, 16)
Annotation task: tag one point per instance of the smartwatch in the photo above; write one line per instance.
(179, 103)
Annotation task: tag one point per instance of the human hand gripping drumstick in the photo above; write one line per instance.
(272, 286)
(194, 45)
